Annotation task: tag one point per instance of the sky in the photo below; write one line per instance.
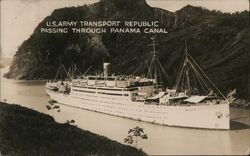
(20, 17)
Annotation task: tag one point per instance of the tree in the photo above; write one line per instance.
(135, 133)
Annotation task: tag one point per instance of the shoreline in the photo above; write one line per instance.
(27, 132)
(241, 103)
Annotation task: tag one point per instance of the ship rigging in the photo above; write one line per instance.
(192, 102)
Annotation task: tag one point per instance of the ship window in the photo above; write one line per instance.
(132, 89)
(91, 88)
(91, 78)
(109, 89)
(134, 94)
(109, 93)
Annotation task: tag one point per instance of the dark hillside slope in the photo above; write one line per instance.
(29, 133)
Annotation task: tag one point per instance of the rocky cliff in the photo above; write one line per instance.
(219, 42)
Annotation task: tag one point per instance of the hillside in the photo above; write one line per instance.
(219, 42)
(27, 132)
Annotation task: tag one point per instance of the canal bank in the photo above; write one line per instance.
(27, 132)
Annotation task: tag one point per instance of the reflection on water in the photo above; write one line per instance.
(162, 139)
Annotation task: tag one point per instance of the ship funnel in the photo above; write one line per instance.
(106, 69)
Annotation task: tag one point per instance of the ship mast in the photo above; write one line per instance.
(60, 71)
(191, 72)
(153, 65)
(61, 75)
(187, 71)
(155, 69)
(154, 56)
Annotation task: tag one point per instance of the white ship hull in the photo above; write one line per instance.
(208, 116)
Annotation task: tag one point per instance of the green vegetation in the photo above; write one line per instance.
(27, 132)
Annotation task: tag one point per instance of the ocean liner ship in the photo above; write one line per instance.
(193, 101)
